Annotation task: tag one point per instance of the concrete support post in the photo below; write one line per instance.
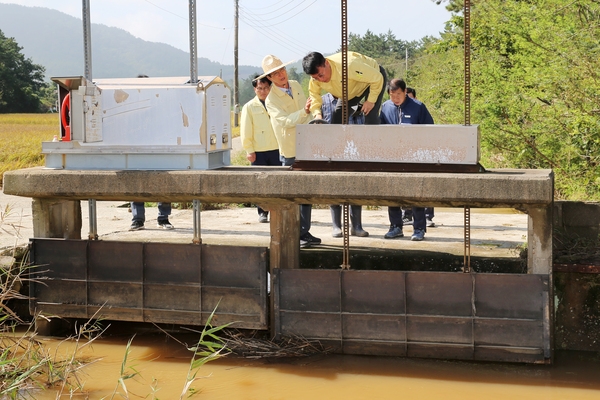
(285, 237)
(284, 249)
(55, 218)
(539, 240)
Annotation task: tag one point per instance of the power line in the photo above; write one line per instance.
(272, 33)
(273, 5)
(179, 16)
(281, 15)
(279, 41)
(277, 9)
(287, 19)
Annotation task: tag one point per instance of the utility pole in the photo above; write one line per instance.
(236, 88)
(406, 63)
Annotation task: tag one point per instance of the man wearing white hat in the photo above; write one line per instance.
(288, 107)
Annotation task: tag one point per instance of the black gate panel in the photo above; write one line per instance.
(150, 282)
(500, 317)
(234, 279)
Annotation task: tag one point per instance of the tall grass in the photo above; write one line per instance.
(21, 136)
(26, 364)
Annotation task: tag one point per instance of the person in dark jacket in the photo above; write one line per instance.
(407, 216)
(401, 109)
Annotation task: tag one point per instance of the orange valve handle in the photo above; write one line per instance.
(65, 110)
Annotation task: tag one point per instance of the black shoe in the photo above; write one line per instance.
(164, 224)
(136, 226)
(304, 244)
(407, 221)
(310, 238)
(263, 218)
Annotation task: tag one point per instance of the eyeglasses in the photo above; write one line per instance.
(278, 72)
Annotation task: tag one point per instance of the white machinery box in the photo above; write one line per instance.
(142, 123)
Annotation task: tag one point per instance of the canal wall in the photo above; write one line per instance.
(576, 254)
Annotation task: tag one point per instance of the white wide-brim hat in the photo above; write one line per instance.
(271, 64)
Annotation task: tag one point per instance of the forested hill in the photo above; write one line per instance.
(55, 41)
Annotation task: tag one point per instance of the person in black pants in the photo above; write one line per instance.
(401, 109)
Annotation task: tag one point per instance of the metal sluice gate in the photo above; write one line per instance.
(467, 316)
(150, 282)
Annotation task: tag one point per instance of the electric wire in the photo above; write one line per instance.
(270, 5)
(284, 13)
(287, 19)
(179, 16)
(283, 43)
(226, 45)
(274, 34)
(277, 9)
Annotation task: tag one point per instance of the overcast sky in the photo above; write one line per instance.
(286, 28)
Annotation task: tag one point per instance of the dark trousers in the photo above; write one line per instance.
(419, 221)
(429, 212)
(305, 209)
(373, 117)
(270, 157)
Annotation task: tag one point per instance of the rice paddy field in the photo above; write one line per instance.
(21, 136)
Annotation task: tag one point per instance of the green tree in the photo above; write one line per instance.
(246, 90)
(389, 51)
(21, 81)
(535, 86)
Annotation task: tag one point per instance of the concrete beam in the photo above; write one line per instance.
(279, 185)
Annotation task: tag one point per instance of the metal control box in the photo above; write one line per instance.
(142, 123)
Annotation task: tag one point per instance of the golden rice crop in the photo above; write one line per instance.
(21, 136)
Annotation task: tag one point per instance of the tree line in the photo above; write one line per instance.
(22, 86)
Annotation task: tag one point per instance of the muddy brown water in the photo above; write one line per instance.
(163, 365)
